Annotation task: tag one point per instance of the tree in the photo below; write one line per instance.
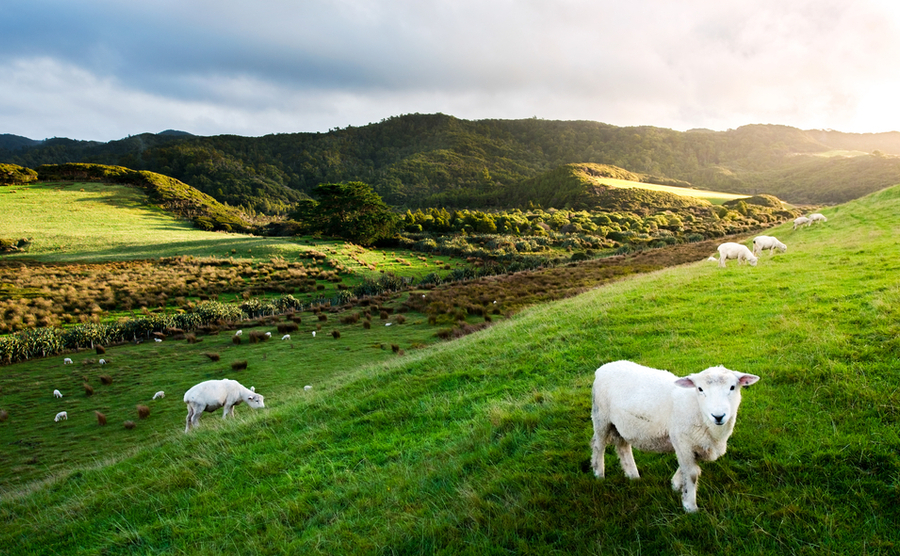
(353, 211)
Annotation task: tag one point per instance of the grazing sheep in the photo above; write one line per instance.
(817, 217)
(102, 362)
(731, 250)
(801, 221)
(67, 361)
(767, 242)
(101, 418)
(388, 323)
(212, 394)
(143, 411)
(62, 415)
(57, 394)
(307, 387)
(286, 337)
(156, 340)
(239, 332)
(268, 334)
(656, 411)
(159, 395)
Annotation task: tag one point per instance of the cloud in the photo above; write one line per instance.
(103, 69)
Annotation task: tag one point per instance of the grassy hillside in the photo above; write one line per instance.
(92, 221)
(481, 445)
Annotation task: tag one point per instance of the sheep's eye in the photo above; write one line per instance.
(732, 386)
(698, 388)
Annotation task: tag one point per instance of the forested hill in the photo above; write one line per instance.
(438, 160)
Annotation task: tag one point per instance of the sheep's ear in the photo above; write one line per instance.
(685, 382)
(747, 379)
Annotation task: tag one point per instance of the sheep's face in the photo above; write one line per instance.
(255, 400)
(718, 392)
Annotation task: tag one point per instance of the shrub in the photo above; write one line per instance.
(100, 349)
(367, 324)
(287, 327)
(236, 340)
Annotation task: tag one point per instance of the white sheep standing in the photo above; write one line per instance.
(210, 395)
(57, 394)
(239, 333)
(61, 416)
(767, 242)
(817, 217)
(801, 221)
(67, 361)
(656, 411)
(731, 250)
(159, 395)
(314, 333)
(286, 337)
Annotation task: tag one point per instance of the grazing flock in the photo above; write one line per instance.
(631, 405)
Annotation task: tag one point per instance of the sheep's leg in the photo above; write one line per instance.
(187, 422)
(686, 478)
(626, 459)
(722, 259)
(598, 447)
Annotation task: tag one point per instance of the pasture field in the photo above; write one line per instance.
(714, 197)
(480, 446)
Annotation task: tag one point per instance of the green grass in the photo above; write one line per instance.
(480, 446)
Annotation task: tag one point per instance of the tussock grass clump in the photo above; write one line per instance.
(99, 349)
(367, 324)
(192, 338)
(257, 336)
(213, 356)
(236, 340)
(101, 418)
(352, 318)
(336, 334)
(238, 365)
(143, 411)
(288, 327)
(106, 380)
(129, 425)
(88, 389)
(4, 415)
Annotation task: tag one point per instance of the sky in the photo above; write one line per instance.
(106, 69)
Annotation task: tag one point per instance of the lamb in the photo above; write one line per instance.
(239, 333)
(314, 333)
(730, 250)
(767, 242)
(212, 394)
(156, 340)
(286, 337)
(61, 416)
(656, 411)
(159, 395)
(57, 394)
(817, 217)
(102, 362)
(67, 361)
(268, 334)
(801, 221)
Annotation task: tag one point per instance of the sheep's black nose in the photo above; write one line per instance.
(719, 419)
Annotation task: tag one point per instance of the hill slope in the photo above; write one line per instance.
(421, 160)
(481, 445)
